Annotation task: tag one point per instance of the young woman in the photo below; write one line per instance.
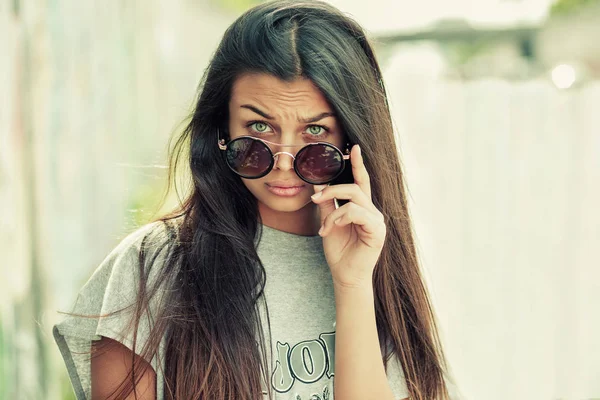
(289, 271)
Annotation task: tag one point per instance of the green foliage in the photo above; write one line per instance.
(562, 7)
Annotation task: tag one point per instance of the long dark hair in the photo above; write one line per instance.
(209, 315)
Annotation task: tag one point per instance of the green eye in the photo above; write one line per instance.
(257, 126)
(315, 129)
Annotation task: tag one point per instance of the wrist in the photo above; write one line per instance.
(363, 290)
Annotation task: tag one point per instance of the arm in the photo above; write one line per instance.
(359, 371)
(353, 239)
(110, 366)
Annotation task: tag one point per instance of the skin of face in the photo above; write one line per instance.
(288, 104)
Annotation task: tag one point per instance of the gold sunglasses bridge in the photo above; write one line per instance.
(284, 152)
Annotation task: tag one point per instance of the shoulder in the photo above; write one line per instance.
(137, 254)
(113, 287)
(146, 244)
(151, 237)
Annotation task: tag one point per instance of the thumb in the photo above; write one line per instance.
(326, 207)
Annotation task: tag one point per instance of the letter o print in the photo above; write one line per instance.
(308, 361)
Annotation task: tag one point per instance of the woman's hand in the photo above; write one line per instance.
(353, 234)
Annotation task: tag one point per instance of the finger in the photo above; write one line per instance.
(351, 213)
(359, 171)
(346, 191)
(325, 207)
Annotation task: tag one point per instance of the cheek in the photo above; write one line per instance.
(254, 185)
(258, 188)
(339, 141)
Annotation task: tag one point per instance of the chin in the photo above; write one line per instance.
(284, 204)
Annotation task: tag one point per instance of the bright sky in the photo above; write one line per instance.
(390, 15)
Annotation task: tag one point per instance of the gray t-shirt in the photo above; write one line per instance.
(299, 295)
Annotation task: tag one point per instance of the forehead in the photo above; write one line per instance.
(277, 95)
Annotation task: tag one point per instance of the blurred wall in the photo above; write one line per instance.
(504, 190)
(89, 94)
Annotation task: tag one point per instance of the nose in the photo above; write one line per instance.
(284, 160)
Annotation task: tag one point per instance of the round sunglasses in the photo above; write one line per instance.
(315, 163)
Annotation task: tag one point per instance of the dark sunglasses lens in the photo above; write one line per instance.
(248, 157)
(319, 163)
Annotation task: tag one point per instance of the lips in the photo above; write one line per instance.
(283, 185)
(286, 191)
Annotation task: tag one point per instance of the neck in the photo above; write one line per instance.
(306, 221)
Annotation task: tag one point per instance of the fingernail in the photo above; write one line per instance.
(321, 230)
(359, 151)
(316, 195)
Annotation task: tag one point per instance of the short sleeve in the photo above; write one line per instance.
(111, 287)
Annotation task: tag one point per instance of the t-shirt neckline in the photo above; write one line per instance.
(290, 235)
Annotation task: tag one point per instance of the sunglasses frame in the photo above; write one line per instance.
(223, 146)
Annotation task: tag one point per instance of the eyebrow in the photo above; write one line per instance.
(303, 120)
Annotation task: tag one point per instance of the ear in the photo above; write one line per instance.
(223, 132)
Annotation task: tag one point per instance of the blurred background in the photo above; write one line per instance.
(496, 105)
